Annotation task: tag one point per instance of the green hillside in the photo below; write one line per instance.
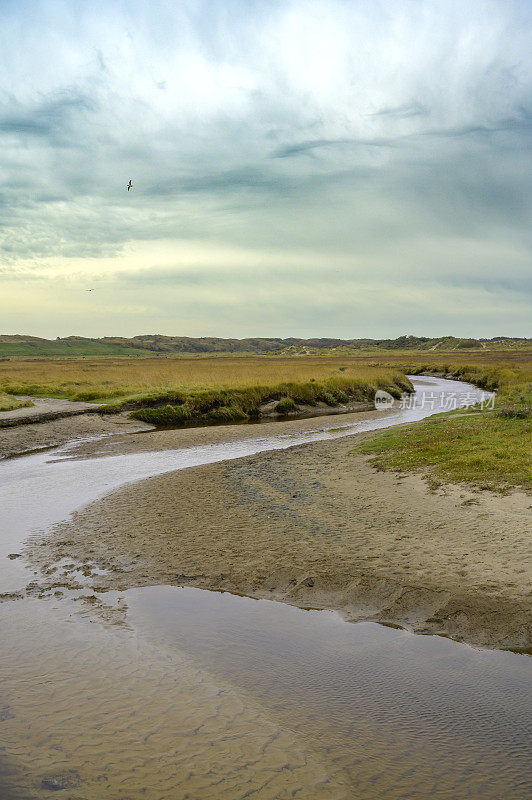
(74, 346)
(155, 344)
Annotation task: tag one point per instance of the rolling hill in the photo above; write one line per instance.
(20, 345)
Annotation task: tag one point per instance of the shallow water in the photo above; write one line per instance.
(405, 716)
(164, 692)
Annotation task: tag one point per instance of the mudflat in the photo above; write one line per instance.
(314, 526)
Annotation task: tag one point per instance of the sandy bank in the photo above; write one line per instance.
(314, 526)
(43, 410)
(27, 436)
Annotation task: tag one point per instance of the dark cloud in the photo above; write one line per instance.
(47, 117)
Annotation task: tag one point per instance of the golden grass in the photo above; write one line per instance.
(486, 450)
(108, 378)
(113, 378)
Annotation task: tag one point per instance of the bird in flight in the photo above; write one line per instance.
(129, 185)
(89, 290)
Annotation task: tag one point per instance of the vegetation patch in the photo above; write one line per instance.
(487, 448)
(234, 405)
(286, 406)
(11, 403)
(169, 381)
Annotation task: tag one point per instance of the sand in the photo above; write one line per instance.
(119, 718)
(43, 409)
(29, 436)
(313, 526)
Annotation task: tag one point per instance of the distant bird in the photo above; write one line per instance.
(89, 290)
(129, 185)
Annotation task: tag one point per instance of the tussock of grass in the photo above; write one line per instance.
(11, 403)
(285, 405)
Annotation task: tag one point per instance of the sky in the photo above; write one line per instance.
(350, 168)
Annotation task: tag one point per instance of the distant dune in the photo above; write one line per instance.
(155, 344)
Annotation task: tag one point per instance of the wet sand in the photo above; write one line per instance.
(52, 423)
(104, 714)
(210, 696)
(313, 526)
(25, 437)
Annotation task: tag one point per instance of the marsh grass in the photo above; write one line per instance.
(110, 379)
(492, 452)
(286, 405)
(12, 403)
(182, 389)
(233, 405)
(487, 448)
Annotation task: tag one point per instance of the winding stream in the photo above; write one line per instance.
(167, 692)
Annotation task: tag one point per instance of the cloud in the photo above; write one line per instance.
(404, 111)
(46, 118)
(350, 132)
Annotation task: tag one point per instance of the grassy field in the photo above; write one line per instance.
(109, 379)
(488, 449)
(491, 452)
(170, 391)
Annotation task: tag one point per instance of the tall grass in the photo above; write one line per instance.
(238, 385)
(232, 405)
(107, 379)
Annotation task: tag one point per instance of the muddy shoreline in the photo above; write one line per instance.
(54, 423)
(314, 526)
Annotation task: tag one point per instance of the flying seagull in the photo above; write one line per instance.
(129, 185)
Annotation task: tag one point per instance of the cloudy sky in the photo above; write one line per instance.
(300, 167)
